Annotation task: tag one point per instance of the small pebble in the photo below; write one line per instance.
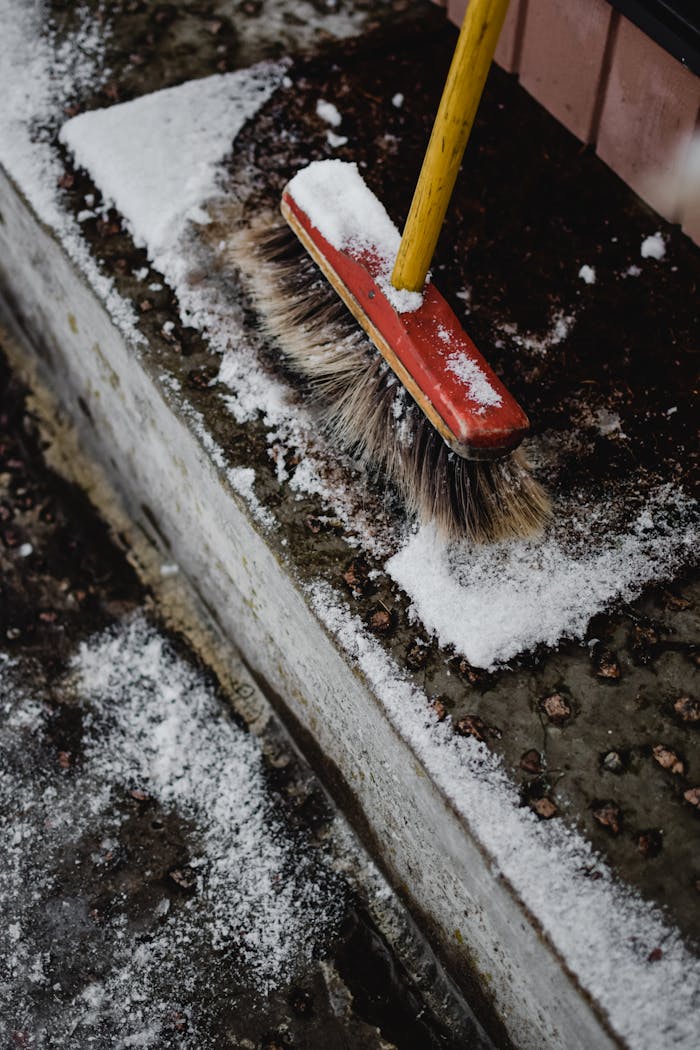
(687, 709)
(605, 663)
(439, 708)
(531, 761)
(557, 708)
(608, 815)
(472, 725)
(543, 807)
(416, 656)
(380, 621)
(612, 762)
(668, 759)
(650, 843)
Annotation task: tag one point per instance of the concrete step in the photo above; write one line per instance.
(519, 810)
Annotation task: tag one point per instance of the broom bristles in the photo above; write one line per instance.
(363, 406)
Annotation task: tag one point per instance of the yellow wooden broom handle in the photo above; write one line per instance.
(460, 99)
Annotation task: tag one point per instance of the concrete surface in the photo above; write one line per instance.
(118, 931)
(578, 727)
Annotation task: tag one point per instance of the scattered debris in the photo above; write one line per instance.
(687, 708)
(668, 759)
(531, 761)
(557, 708)
(608, 815)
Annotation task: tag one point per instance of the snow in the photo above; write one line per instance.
(264, 905)
(654, 246)
(397, 100)
(603, 931)
(587, 274)
(344, 210)
(38, 74)
(560, 326)
(151, 130)
(328, 112)
(468, 372)
(243, 479)
(162, 226)
(336, 140)
(492, 603)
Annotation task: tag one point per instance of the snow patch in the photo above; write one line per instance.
(243, 479)
(336, 140)
(478, 387)
(134, 152)
(344, 210)
(493, 602)
(38, 73)
(264, 903)
(587, 274)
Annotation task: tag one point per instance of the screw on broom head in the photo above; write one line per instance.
(364, 407)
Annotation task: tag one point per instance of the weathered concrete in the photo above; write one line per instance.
(135, 427)
(252, 584)
(98, 867)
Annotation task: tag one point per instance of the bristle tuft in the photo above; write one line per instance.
(367, 410)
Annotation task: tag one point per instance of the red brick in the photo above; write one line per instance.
(507, 51)
(455, 10)
(507, 48)
(650, 111)
(690, 217)
(562, 58)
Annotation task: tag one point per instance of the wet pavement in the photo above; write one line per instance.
(165, 879)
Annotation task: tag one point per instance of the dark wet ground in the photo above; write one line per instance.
(531, 208)
(87, 901)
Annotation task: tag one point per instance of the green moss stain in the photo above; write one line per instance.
(112, 377)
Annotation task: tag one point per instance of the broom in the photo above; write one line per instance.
(429, 414)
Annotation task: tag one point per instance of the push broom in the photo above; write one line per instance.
(429, 414)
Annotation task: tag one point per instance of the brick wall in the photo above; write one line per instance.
(612, 86)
